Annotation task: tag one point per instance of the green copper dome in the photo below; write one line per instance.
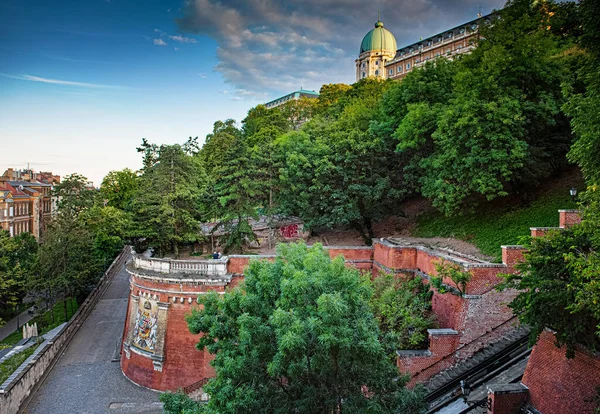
(378, 39)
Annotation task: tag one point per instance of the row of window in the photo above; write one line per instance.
(22, 209)
(362, 65)
(449, 35)
(19, 228)
(399, 68)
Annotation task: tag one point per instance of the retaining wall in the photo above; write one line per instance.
(14, 394)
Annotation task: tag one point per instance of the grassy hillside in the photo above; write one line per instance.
(498, 224)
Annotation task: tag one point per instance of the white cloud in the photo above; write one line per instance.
(182, 39)
(159, 42)
(202, 75)
(32, 78)
(268, 46)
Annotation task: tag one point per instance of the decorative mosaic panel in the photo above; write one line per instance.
(146, 325)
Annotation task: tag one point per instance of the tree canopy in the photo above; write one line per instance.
(298, 335)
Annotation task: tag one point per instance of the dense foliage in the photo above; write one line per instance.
(462, 133)
(298, 335)
(402, 307)
(17, 259)
(559, 283)
(560, 278)
(78, 244)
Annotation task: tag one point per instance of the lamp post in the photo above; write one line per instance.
(573, 192)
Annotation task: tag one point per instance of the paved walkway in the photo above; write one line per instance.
(11, 325)
(87, 379)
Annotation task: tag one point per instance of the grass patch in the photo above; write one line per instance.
(11, 364)
(44, 321)
(495, 226)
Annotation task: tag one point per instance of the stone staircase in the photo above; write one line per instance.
(480, 357)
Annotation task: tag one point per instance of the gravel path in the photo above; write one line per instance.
(87, 379)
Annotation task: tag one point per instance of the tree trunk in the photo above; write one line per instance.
(365, 236)
(65, 307)
(369, 225)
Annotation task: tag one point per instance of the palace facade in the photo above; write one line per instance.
(379, 56)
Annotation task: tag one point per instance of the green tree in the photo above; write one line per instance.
(298, 336)
(118, 188)
(402, 307)
(337, 172)
(17, 261)
(67, 264)
(74, 195)
(214, 152)
(110, 227)
(167, 205)
(238, 193)
(584, 97)
(556, 282)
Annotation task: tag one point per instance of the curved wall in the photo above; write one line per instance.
(159, 352)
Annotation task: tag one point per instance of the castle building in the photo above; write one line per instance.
(377, 47)
(379, 57)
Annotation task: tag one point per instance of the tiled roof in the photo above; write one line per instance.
(28, 184)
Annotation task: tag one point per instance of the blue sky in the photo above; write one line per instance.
(81, 82)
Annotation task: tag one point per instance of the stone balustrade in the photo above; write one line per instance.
(210, 267)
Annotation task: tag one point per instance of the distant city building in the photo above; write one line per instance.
(376, 57)
(294, 96)
(26, 203)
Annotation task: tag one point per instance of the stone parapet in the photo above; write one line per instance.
(208, 268)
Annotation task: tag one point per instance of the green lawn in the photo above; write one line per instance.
(11, 364)
(495, 226)
(44, 321)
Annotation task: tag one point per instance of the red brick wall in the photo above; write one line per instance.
(365, 253)
(569, 217)
(484, 279)
(425, 262)
(237, 264)
(506, 403)
(422, 368)
(558, 385)
(448, 309)
(541, 231)
(183, 364)
(511, 255)
(395, 257)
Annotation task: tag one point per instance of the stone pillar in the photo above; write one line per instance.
(567, 218)
(511, 255)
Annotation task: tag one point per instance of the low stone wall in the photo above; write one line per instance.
(20, 388)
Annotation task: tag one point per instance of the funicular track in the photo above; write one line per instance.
(477, 375)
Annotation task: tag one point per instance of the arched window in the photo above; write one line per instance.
(377, 72)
